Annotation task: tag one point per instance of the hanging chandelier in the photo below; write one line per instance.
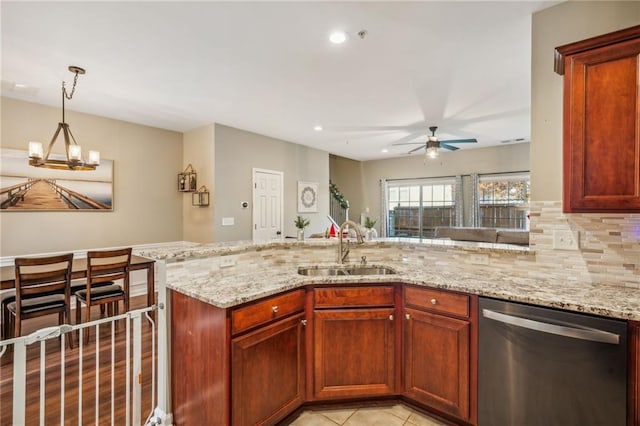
(73, 151)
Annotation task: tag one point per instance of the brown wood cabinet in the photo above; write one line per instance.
(199, 362)
(268, 372)
(240, 366)
(440, 354)
(354, 347)
(601, 125)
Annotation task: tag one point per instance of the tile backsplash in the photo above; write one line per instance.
(609, 245)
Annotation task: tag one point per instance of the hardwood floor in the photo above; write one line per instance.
(53, 383)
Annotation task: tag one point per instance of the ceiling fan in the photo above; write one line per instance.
(433, 145)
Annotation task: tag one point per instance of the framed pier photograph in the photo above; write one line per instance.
(27, 188)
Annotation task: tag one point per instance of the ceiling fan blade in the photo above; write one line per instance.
(417, 149)
(407, 143)
(460, 141)
(449, 147)
(410, 137)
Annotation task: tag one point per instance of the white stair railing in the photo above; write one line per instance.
(133, 397)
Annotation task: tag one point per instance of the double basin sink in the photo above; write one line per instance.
(326, 271)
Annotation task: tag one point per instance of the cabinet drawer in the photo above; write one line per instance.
(266, 310)
(438, 301)
(353, 296)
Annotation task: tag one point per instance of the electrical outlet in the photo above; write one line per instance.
(565, 240)
(227, 262)
(478, 259)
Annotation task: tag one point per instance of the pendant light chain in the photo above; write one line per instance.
(73, 89)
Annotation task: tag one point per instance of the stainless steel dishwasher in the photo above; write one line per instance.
(541, 366)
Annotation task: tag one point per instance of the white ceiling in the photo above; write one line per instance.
(269, 68)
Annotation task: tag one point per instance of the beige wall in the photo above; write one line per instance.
(237, 152)
(562, 24)
(199, 151)
(499, 159)
(147, 205)
(347, 175)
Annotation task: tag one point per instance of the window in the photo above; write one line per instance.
(416, 208)
(503, 201)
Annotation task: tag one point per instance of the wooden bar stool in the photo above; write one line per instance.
(43, 287)
(103, 269)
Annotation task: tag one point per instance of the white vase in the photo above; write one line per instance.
(368, 235)
(300, 234)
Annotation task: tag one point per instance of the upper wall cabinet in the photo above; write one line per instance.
(601, 127)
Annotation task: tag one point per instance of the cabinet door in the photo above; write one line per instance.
(354, 352)
(437, 362)
(267, 370)
(602, 129)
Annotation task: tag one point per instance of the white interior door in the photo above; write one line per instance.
(267, 205)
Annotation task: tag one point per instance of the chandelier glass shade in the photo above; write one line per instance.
(74, 160)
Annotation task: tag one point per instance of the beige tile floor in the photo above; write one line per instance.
(395, 415)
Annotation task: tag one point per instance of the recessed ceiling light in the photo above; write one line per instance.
(338, 37)
(385, 150)
(317, 128)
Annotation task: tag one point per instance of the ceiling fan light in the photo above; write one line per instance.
(432, 152)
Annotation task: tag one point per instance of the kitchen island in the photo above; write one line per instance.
(241, 311)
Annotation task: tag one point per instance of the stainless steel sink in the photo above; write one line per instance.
(326, 271)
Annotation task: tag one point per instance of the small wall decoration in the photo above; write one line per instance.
(187, 180)
(307, 197)
(200, 198)
(27, 188)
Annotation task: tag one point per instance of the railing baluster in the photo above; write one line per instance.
(153, 359)
(113, 371)
(43, 388)
(97, 402)
(63, 380)
(80, 356)
(137, 370)
(19, 386)
(128, 374)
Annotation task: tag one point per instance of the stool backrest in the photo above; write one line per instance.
(108, 265)
(40, 276)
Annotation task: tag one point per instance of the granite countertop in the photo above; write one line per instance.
(233, 286)
(188, 250)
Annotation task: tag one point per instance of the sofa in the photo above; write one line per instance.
(486, 235)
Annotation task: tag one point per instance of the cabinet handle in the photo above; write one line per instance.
(407, 316)
(304, 322)
(391, 317)
(274, 309)
(434, 302)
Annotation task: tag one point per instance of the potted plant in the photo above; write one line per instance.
(369, 224)
(301, 223)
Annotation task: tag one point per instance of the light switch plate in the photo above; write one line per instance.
(565, 240)
(228, 221)
(478, 259)
(227, 261)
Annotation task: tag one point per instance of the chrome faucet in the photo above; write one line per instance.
(343, 250)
